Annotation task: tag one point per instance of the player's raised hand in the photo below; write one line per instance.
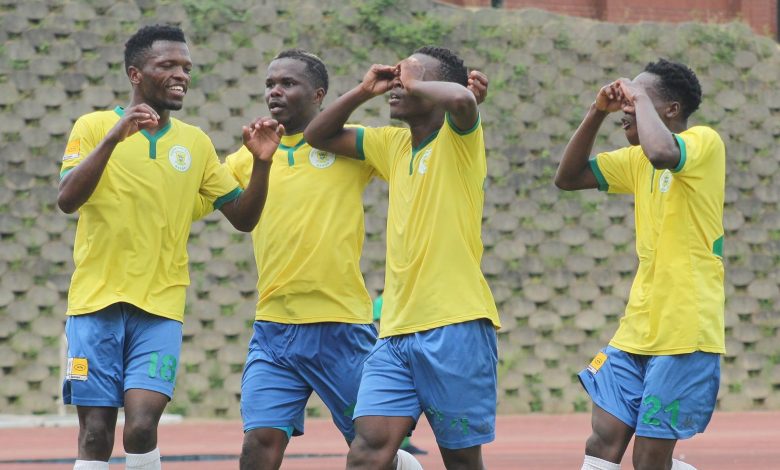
(410, 69)
(478, 84)
(379, 79)
(630, 90)
(610, 98)
(135, 118)
(262, 138)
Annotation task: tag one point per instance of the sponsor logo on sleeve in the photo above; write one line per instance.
(72, 150)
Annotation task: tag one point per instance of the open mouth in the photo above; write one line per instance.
(275, 107)
(177, 90)
(626, 123)
(394, 98)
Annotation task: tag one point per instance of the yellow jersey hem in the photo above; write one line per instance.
(669, 352)
(87, 310)
(309, 320)
(429, 326)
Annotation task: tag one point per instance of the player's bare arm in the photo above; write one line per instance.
(79, 184)
(656, 139)
(261, 138)
(457, 100)
(327, 132)
(574, 172)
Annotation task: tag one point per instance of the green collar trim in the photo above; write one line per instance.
(291, 151)
(416, 150)
(151, 138)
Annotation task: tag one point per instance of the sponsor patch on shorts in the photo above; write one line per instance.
(78, 368)
(597, 362)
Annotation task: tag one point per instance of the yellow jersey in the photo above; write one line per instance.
(677, 299)
(131, 237)
(310, 236)
(434, 246)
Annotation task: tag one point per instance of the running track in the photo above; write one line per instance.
(545, 442)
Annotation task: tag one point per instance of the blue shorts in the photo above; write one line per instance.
(666, 397)
(447, 372)
(287, 362)
(118, 348)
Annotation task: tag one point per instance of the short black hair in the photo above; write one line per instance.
(141, 42)
(678, 83)
(315, 70)
(451, 68)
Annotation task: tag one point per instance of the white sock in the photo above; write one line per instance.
(592, 463)
(147, 461)
(679, 465)
(90, 465)
(406, 461)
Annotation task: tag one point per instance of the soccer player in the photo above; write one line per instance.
(313, 327)
(133, 175)
(437, 348)
(658, 378)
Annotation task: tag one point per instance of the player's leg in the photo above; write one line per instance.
(387, 408)
(454, 369)
(377, 441)
(273, 395)
(333, 366)
(152, 349)
(614, 381)
(93, 381)
(607, 442)
(679, 398)
(143, 409)
(96, 432)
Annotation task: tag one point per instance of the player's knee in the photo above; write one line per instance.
(604, 447)
(370, 453)
(644, 459)
(97, 439)
(140, 434)
(263, 445)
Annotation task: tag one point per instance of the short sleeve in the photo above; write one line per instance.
(701, 149)
(470, 143)
(372, 144)
(616, 171)
(82, 142)
(218, 184)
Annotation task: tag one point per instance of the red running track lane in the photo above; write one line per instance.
(549, 442)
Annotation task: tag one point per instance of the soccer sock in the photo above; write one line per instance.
(147, 461)
(678, 465)
(90, 465)
(592, 463)
(406, 461)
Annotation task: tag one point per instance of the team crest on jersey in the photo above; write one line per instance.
(665, 181)
(78, 368)
(180, 158)
(321, 158)
(423, 167)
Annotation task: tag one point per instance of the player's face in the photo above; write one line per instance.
(649, 82)
(403, 106)
(165, 75)
(290, 96)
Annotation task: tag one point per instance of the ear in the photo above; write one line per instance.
(134, 74)
(319, 95)
(673, 110)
